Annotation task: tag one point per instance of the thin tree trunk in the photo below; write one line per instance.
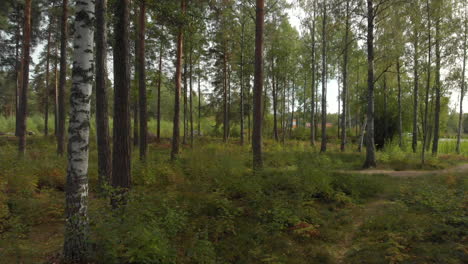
(63, 76)
(121, 158)
(400, 115)
(178, 80)
(363, 132)
(258, 87)
(191, 96)
(136, 137)
(415, 93)
(76, 248)
(292, 109)
(225, 99)
(56, 92)
(242, 85)
(275, 101)
(345, 81)
(142, 81)
(199, 99)
(428, 84)
(435, 143)
(136, 134)
(313, 84)
(385, 107)
(370, 145)
(158, 111)
(323, 146)
(18, 70)
(23, 104)
(47, 90)
(462, 90)
(102, 112)
(184, 141)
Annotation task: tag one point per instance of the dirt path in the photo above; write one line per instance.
(412, 173)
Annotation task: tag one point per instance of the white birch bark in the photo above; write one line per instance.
(76, 225)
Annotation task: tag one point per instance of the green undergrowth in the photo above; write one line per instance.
(210, 207)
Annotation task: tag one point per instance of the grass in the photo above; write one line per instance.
(209, 207)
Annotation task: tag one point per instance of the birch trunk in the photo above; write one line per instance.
(76, 247)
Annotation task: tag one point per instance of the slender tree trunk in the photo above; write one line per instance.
(428, 85)
(142, 81)
(56, 92)
(275, 102)
(415, 93)
(323, 146)
(63, 76)
(178, 80)
(102, 112)
(385, 108)
(400, 114)
(462, 90)
(225, 100)
(23, 104)
(136, 134)
(242, 85)
(370, 145)
(199, 99)
(191, 96)
(435, 143)
(345, 80)
(184, 141)
(18, 69)
(121, 158)
(47, 78)
(258, 87)
(339, 115)
(292, 109)
(76, 242)
(158, 111)
(283, 114)
(313, 85)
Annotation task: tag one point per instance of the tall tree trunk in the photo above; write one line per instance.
(462, 89)
(23, 103)
(323, 146)
(370, 144)
(229, 101)
(63, 76)
(414, 143)
(292, 107)
(339, 116)
(313, 84)
(400, 114)
(178, 80)
(102, 112)
(17, 70)
(435, 143)
(56, 92)
(158, 111)
(345, 80)
(242, 85)
(258, 87)
(47, 78)
(184, 141)
(385, 108)
(191, 96)
(275, 101)
(142, 81)
(136, 67)
(136, 134)
(121, 158)
(76, 241)
(283, 114)
(428, 87)
(199, 99)
(225, 99)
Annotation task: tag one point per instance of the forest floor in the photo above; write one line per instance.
(207, 208)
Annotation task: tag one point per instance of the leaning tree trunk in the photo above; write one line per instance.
(370, 144)
(258, 87)
(345, 81)
(414, 142)
(102, 116)
(23, 104)
(142, 81)
(435, 143)
(63, 76)
(462, 90)
(121, 159)
(323, 146)
(428, 86)
(178, 80)
(47, 90)
(76, 240)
